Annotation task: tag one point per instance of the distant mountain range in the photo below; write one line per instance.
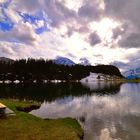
(59, 60)
(65, 61)
(132, 74)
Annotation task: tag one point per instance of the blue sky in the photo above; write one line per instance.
(6, 24)
(35, 19)
(82, 29)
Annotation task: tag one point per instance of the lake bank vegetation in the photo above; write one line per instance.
(24, 126)
(137, 80)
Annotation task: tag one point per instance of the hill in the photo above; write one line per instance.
(6, 60)
(107, 69)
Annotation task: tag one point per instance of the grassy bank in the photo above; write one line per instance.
(136, 80)
(25, 126)
(133, 81)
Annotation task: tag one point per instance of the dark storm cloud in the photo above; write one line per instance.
(94, 39)
(89, 10)
(123, 10)
(58, 13)
(115, 8)
(126, 11)
(121, 30)
(132, 41)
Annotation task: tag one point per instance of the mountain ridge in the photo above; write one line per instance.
(63, 61)
(6, 60)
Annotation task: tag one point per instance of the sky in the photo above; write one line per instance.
(98, 31)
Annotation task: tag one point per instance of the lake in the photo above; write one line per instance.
(105, 110)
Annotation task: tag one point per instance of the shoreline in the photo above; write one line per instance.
(25, 124)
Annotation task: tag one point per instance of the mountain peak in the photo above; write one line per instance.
(63, 61)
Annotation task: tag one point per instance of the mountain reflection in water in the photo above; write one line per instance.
(106, 111)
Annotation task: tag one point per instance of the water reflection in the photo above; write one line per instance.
(106, 111)
(41, 92)
(102, 87)
(108, 117)
(51, 92)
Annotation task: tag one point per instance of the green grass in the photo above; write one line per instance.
(25, 126)
(133, 81)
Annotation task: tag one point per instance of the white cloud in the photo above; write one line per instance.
(40, 23)
(1, 1)
(6, 50)
(22, 33)
(13, 15)
(73, 27)
(72, 4)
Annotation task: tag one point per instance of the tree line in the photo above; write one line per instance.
(40, 69)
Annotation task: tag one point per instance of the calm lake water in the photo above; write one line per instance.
(106, 111)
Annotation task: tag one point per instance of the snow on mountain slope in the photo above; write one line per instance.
(85, 62)
(63, 61)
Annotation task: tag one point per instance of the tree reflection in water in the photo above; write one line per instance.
(51, 92)
(106, 111)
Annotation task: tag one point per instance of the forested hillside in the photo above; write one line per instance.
(32, 69)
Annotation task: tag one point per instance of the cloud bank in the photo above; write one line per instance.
(102, 31)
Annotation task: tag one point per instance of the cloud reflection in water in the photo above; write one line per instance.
(103, 116)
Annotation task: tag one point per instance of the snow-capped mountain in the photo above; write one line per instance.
(132, 74)
(84, 61)
(6, 60)
(63, 61)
